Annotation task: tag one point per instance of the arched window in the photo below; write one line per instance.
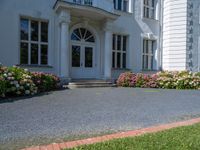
(82, 34)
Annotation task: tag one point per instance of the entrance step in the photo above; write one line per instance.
(89, 84)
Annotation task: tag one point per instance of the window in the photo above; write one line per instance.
(84, 2)
(147, 55)
(149, 9)
(119, 51)
(121, 5)
(82, 34)
(33, 42)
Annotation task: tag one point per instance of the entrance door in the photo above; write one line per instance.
(83, 57)
(83, 61)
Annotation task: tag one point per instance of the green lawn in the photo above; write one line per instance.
(182, 138)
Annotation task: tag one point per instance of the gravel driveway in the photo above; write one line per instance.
(71, 114)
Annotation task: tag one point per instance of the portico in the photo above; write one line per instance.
(85, 41)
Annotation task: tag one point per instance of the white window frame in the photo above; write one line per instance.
(121, 51)
(122, 5)
(39, 42)
(150, 8)
(150, 54)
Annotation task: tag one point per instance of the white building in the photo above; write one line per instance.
(100, 38)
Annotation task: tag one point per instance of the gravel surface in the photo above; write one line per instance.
(71, 114)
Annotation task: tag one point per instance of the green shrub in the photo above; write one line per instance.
(45, 82)
(15, 81)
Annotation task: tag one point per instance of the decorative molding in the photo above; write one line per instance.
(64, 17)
(108, 25)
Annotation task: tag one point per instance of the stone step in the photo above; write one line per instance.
(89, 84)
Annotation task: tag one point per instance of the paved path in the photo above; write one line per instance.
(82, 112)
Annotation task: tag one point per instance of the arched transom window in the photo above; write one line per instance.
(80, 34)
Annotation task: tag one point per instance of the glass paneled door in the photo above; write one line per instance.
(83, 61)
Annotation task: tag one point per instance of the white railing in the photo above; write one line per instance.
(84, 2)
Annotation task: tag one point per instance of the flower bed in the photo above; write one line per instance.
(165, 80)
(15, 81)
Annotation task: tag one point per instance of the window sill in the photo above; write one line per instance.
(34, 66)
(150, 19)
(120, 69)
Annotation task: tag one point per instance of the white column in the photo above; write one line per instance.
(64, 19)
(108, 50)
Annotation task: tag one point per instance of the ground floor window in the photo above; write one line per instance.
(33, 42)
(119, 51)
(147, 55)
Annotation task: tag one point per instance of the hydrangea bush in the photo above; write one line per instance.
(15, 81)
(129, 79)
(45, 81)
(164, 79)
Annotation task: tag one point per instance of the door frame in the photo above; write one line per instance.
(96, 49)
(82, 70)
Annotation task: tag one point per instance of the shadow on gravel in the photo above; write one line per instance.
(14, 98)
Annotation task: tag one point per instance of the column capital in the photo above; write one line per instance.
(108, 25)
(64, 17)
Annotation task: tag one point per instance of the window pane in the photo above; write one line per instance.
(74, 37)
(113, 59)
(143, 61)
(119, 42)
(88, 34)
(82, 32)
(34, 30)
(44, 54)
(34, 54)
(91, 39)
(125, 5)
(24, 29)
(144, 46)
(44, 31)
(118, 60)
(124, 60)
(119, 4)
(114, 39)
(114, 1)
(89, 57)
(146, 61)
(77, 33)
(76, 55)
(24, 53)
(152, 3)
(152, 47)
(147, 47)
(124, 43)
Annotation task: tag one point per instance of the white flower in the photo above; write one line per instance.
(17, 85)
(27, 92)
(9, 74)
(5, 75)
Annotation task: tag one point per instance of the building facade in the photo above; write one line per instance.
(77, 39)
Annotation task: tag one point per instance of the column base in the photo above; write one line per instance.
(65, 80)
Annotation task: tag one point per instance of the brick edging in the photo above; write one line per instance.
(60, 146)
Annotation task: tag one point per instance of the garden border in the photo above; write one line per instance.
(153, 129)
